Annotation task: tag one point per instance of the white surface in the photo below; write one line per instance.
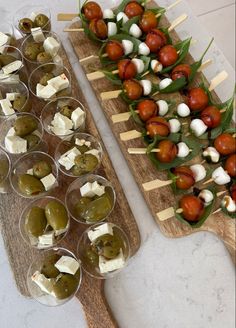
(181, 283)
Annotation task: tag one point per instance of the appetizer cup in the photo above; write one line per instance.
(41, 72)
(9, 55)
(112, 243)
(90, 199)
(5, 169)
(68, 144)
(30, 184)
(18, 95)
(58, 287)
(56, 106)
(44, 222)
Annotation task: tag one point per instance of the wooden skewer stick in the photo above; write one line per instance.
(142, 151)
(110, 94)
(66, 17)
(98, 75)
(170, 7)
(218, 79)
(179, 20)
(73, 29)
(133, 134)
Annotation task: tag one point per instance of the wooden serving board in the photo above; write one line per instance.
(91, 293)
(140, 166)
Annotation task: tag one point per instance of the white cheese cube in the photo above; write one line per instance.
(77, 117)
(73, 153)
(58, 60)
(94, 152)
(165, 83)
(44, 284)
(163, 107)
(39, 88)
(98, 189)
(79, 142)
(11, 96)
(12, 67)
(108, 14)
(59, 82)
(135, 31)
(87, 143)
(68, 159)
(37, 34)
(11, 132)
(30, 172)
(86, 190)
(47, 239)
(46, 92)
(128, 46)
(143, 49)
(58, 131)
(6, 107)
(15, 144)
(113, 264)
(48, 181)
(61, 121)
(122, 16)
(67, 264)
(111, 28)
(103, 229)
(51, 46)
(220, 176)
(4, 39)
(147, 87)
(66, 162)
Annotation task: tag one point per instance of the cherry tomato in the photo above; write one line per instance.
(127, 69)
(167, 151)
(155, 39)
(114, 50)
(197, 99)
(233, 192)
(211, 116)
(185, 177)
(133, 89)
(225, 144)
(92, 10)
(148, 21)
(230, 165)
(133, 9)
(167, 55)
(193, 208)
(99, 28)
(158, 126)
(182, 70)
(147, 109)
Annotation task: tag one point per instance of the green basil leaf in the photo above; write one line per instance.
(135, 115)
(156, 11)
(176, 85)
(126, 27)
(167, 34)
(114, 78)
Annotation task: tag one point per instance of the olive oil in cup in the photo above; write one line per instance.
(5, 169)
(89, 207)
(44, 222)
(105, 256)
(83, 163)
(59, 287)
(34, 175)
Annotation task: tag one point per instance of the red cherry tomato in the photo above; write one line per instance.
(193, 208)
(197, 99)
(133, 89)
(127, 69)
(148, 21)
(182, 70)
(99, 28)
(92, 10)
(158, 126)
(230, 165)
(167, 151)
(114, 50)
(147, 109)
(185, 177)
(168, 55)
(233, 192)
(133, 9)
(211, 116)
(155, 39)
(225, 144)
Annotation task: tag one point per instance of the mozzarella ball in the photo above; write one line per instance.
(128, 46)
(229, 204)
(199, 172)
(183, 149)
(163, 107)
(175, 125)
(207, 196)
(198, 127)
(183, 110)
(147, 87)
(108, 14)
(212, 154)
(156, 66)
(139, 65)
(121, 16)
(165, 83)
(135, 31)
(112, 28)
(143, 49)
(220, 176)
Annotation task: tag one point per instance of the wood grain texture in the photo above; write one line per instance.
(91, 293)
(140, 166)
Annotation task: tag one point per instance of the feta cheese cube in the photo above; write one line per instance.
(87, 143)
(73, 153)
(11, 132)
(12, 67)
(15, 144)
(98, 189)
(37, 34)
(94, 152)
(51, 46)
(106, 228)
(68, 159)
(30, 172)
(58, 60)
(61, 121)
(44, 284)
(67, 264)
(47, 239)
(58, 131)
(11, 96)
(39, 88)
(46, 92)
(77, 117)
(113, 264)
(59, 82)
(9, 79)
(48, 181)
(6, 107)
(86, 190)
(79, 142)
(66, 162)
(4, 39)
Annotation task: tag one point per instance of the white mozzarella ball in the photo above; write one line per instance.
(183, 110)
(163, 107)
(199, 172)
(156, 66)
(207, 196)
(175, 125)
(212, 153)
(143, 49)
(128, 46)
(147, 87)
(121, 16)
(229, 204)
(111, 28)
(139, 65)
(165, 83)
(135, 31)
(183, 149)
(220, 176)
(198, 127)
(108, 14)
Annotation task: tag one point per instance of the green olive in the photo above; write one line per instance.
(4, 168)
(81, 206)
(21, 104)
(44, 58)
(32, 49)
(67, 111)
(65, 286)
(85, 163)
(56, 215)
(42, 169)
(29, 185)
(108, 246)
(91, 257)
(32, 140)
(98, 209)
(25, 25)
(6, 59)
(45, 78)
(42, 20)
(25, 125)
(36, 221)
(48, 268)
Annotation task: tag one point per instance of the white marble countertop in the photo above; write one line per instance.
(181, 283)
